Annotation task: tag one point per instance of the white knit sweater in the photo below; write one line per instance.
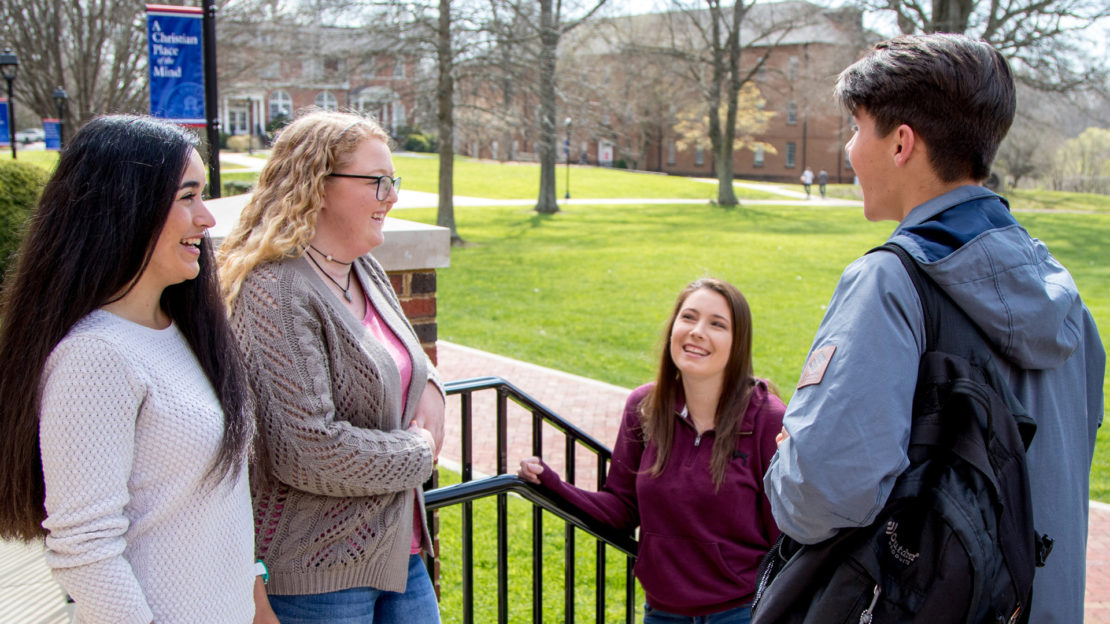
(129, 429)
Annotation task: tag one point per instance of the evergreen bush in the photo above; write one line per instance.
(21, 185)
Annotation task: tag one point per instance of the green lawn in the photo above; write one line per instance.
(42, 158)
(475, 178)
(587, 290)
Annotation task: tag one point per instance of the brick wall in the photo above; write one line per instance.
(417, 291)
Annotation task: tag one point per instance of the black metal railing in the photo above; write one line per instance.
(501, 484)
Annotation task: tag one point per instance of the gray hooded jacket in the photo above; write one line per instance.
(849, 421)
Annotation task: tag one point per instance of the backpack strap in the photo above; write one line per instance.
(960, 336)
(936, 306)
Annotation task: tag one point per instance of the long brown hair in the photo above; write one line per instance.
(657, 411)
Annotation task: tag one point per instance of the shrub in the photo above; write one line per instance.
(414, 140)
(20, 187)
(277, 122)
(237, 187)
(240, 142)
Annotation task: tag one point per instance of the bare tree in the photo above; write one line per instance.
(95, 49)
(1039, 36)
(547, 27)
(445, 114)
(707, 40)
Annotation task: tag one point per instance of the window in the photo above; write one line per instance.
(793, 68)
(332, 65)
(326, 101)
(399, 69)
(792, 113)
(281, 104)
(237, 121)
(699, 157)
(398, 114)
(791, 150)
(670, 153)
(758, 161)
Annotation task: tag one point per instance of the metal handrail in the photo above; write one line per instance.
(500, 485)
(463, 492)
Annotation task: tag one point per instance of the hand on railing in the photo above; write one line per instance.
(530, 469)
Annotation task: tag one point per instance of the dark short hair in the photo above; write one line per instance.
(955, 92)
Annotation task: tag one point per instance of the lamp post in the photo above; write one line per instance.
(59, 96)
(9, 64)
(566, 149)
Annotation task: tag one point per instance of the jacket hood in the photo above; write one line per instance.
(1008, 283)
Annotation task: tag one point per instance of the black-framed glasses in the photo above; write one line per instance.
(385, 183)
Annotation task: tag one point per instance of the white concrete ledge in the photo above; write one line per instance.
(408, 245)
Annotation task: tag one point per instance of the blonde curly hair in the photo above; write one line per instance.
(280, 218)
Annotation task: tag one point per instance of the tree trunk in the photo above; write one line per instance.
(549, 41)
(951, 16)
(720, 137)
(445, 93)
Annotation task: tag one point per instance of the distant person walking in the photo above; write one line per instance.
(807, 180)
(822, 181)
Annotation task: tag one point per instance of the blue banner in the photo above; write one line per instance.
(176, 57)
(53, 130)
(5, 131)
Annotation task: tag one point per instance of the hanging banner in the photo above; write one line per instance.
(53, 130)
(176, 60)
(5, 131)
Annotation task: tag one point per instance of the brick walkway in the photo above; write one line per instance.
(596, 407)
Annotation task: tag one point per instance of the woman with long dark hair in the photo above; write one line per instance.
(688, 465)
(124, 428)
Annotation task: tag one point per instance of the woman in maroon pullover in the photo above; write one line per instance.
(688, 465)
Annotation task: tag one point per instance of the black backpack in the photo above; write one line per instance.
(955, 541)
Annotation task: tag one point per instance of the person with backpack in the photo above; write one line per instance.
(688, 464)
(930, 112)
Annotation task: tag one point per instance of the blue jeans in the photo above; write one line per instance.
(739, 615)
(365, 605)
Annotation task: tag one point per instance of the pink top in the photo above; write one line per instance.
(381, 331)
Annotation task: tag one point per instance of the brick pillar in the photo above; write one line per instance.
(417, 291)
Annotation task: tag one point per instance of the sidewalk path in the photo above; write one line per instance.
(596, 408)
(421, 199)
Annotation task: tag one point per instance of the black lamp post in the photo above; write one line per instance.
(567, 124)
(59, 96)
(9, 64)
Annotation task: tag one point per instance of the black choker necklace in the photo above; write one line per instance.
(346, 290)
(328, 257)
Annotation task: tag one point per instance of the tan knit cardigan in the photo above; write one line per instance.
(334, 478)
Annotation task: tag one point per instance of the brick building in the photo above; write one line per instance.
(801, 48)
(270, 69)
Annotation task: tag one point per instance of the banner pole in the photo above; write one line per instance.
(211, 95)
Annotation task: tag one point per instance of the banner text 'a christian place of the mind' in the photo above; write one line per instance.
(175, 44)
